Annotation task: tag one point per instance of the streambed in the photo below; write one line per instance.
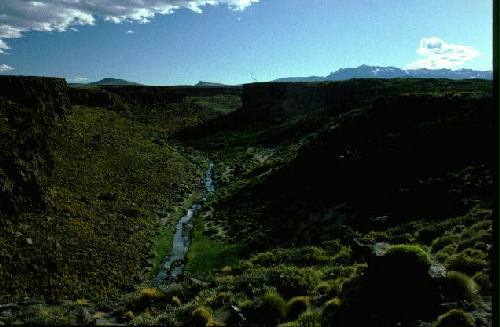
(173, 264)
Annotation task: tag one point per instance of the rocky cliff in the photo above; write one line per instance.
(30, 111)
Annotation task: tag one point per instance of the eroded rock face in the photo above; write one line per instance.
(30, 111)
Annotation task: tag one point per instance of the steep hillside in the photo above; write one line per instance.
(31, 110)
(347, 153)
(104, 185)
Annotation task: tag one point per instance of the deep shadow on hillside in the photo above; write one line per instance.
(365, 154)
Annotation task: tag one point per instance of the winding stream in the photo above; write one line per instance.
(173, 264)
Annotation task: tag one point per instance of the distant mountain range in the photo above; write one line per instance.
(365, 71)
(105, 82)
(208, 84)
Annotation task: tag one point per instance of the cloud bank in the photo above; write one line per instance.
(5, 68)
(437, 54)
(20, 16)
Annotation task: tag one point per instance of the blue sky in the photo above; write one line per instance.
(238, 41)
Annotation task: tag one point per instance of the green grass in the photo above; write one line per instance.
(112, 185)
(206, 254)
(163, 243)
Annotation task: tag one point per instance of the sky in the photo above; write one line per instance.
(173, 42)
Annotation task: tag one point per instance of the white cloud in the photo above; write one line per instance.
(129, 32)
(78, 79)
(437, 54)
(20, 16)
(5, 68)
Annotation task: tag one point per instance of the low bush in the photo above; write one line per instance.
(307, 319)
(455, 318)
(330, 309)
(288, 280)
(468, 261)
(297, 306)
(147, 297)
(408, 258)
(269, 311)
(440, 242)
(483, 280)
(458, 286)
(200, 317)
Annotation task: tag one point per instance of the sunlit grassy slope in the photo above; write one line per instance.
(112, 186)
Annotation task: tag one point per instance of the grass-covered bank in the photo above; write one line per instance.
(207, 253)
(163, 242)
(112, 187)
(421, 271)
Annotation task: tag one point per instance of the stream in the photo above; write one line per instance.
(173, 264)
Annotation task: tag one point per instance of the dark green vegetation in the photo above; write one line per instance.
(85, 191)
(29, 120)
(357, 203)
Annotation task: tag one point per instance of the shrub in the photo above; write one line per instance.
(468, 261)
(200, 317)
(455, 318)
(408, 257)
(440, 242)
(398, 286)
(323, 287)
(128, 316)
(221, 298)
(307, 319)
(446, 252)
(471, 237)
(483, 280)
(271, 310)
(458, 286)
(147, 297)
(289, 280)
(296, 306)
(336, 287)
(330, 310)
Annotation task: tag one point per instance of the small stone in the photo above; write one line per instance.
(29, 241)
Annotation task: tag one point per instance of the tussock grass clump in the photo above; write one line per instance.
(408, 257)
(200, 317)
(443, 241)
(147, 297)
(297, 306)
(483, 280)
(269, 311)
(458, 286)
(306, 319)
(455, 318)
(288, 280)
(468, 261)
(330, 309)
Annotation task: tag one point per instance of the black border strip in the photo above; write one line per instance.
(496, 91)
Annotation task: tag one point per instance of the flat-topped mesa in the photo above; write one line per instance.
(156, 96)
(30, 110)
(284, 99)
